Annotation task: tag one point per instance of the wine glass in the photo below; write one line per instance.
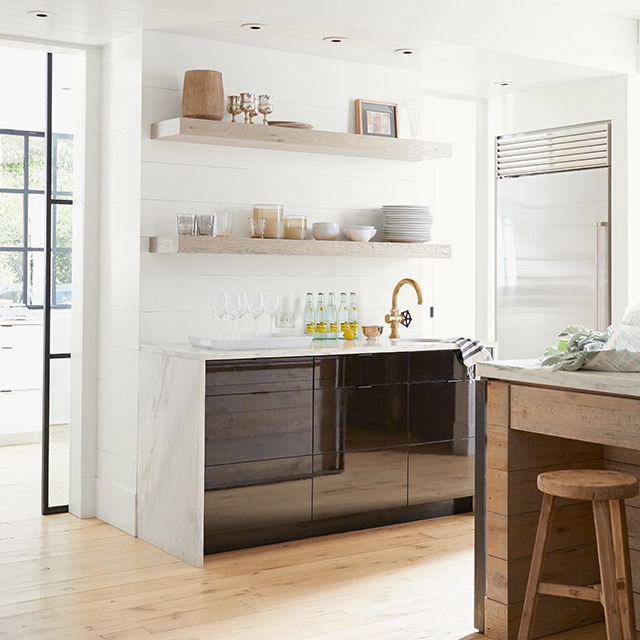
(255, 304)
(219, 306)
(233, 107)
(242, 308)
(264, 106)
(232, 307)
(271, 306)
(248, 105)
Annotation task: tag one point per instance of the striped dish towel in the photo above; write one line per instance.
(473, 351)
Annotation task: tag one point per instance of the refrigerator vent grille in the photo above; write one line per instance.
(553, 150)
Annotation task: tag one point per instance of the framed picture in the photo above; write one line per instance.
(376, 118)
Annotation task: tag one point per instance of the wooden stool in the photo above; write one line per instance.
(606, 490)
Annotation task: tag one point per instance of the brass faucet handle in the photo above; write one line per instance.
(406, 318)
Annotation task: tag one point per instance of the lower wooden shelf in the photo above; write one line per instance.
(257, 246)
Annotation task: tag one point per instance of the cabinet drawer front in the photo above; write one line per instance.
(439, 411)
(26, 338)
(20, 411)
(375, 368)
(366, 481)
(441, 471)
(257, 472)
(18, 370)
(258, 426)
(426, 366)
(258, 504)
(249, 376)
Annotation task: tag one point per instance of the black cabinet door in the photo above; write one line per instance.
(258, 448)
(360, 435)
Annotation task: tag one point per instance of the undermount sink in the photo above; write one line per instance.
(419, 340)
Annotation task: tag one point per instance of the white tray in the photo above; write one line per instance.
(242, 342)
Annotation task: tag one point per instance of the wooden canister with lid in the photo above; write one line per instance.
(203, 94)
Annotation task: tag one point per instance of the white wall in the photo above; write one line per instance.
(156, 298)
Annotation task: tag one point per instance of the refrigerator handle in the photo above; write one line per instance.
(602, 275)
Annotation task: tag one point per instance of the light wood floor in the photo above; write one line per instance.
(65, 578)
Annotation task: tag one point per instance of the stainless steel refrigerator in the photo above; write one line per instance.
(553, 247)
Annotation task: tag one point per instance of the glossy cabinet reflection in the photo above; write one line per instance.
(300, 446)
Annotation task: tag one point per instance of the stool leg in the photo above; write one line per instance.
(623, 568)
(537, 558)
(606, 560)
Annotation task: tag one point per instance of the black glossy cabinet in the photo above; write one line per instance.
(305, 446)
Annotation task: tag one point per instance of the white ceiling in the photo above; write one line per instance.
(374, 29)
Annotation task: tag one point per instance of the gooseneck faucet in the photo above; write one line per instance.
(395, 316)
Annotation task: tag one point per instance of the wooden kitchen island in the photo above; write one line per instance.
(540, 420)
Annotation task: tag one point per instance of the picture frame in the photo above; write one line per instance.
(376, 118)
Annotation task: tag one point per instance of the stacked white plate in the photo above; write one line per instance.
(407, 223)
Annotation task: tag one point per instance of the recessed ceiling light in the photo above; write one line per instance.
(502, 83)
(253, 26)
(41, 14)
(405, 51)
(334, 39)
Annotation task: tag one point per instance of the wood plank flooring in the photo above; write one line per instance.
(66, 578)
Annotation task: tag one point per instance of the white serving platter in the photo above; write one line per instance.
(248, 342)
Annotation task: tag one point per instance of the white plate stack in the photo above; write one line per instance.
(407, 223)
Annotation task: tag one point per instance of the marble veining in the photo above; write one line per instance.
(530, 371)
(170, 509)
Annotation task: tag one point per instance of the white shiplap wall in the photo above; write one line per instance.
(155, 298)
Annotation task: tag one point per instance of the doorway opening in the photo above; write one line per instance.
(36, 212)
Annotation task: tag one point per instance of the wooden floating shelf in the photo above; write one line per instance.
(257, 246)
(237, 134)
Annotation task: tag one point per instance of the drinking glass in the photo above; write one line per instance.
(264, 106)
(233, 107)
(232, 309)
(255, 304)
(248, 105)
(271, 306)
(219, 306)
(186, 224)
(242, 308)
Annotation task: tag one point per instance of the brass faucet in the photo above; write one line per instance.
(395, 317)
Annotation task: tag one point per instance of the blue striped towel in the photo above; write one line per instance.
(473, 351)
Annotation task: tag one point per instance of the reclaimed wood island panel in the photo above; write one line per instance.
(539, 420)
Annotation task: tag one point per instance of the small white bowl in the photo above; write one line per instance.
(359, 233)
(325, 230)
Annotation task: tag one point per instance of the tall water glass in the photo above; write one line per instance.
(219, 306)
(271, 306)
(255, 304)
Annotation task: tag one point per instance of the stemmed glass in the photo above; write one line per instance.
(233, 107)
(219, 306)
(264, 106)
(242, 307)
(232, 308)
(271, 306)
(248, 105)
(255, 304)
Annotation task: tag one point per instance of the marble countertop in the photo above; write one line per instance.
(530, 372)
(328, 348)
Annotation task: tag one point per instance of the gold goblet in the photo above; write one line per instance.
(248, 105)
(264, 106)
(233, 107)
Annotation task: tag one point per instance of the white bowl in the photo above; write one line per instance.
(359, 233)
(325, 230)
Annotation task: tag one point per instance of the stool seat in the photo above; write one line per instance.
(606, 490)
(588, 484)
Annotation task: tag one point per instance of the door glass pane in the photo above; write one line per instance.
(36, 163)
(11, 162)
(35, 277)
(11, 220)
(36, 222)
(11, 277)
(63, 175)
(59, 403)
